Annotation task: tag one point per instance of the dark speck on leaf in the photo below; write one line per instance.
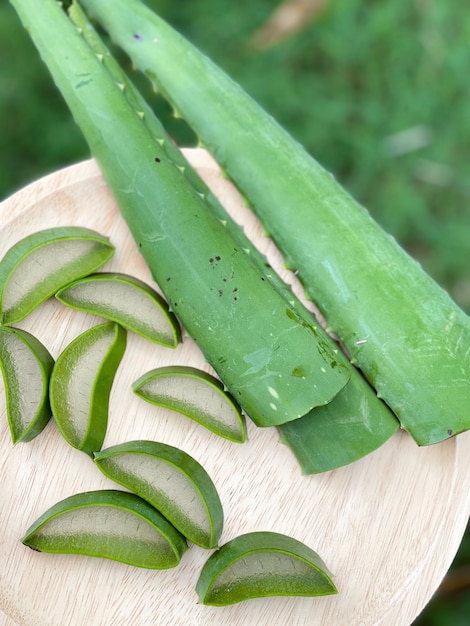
(291, 315)
(298, 372)
(138, 37)
(217, 258)
(449, 432)
(168, 279)
(211, 260)
(220, 292)
(157, 160)
(83, 83)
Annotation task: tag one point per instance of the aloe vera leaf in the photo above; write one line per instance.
(262, 564)
(327, 439)
(37, 266)
(108, 524)
(356, 422)
(207, 279)
(126, 300)
(26, 365)
(351, 426)
(405, 333)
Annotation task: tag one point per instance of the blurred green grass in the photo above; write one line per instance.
(376, 91)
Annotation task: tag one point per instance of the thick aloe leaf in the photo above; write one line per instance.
(208, 280)
(351, 426)
(405, 333)
(358, 422)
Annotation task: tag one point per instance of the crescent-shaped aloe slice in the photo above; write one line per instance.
(262, 564)
(109, 524)
(26, 365)
(197, 395)
(126, 300)
(81, 382)
(170, 480)
(37, 266)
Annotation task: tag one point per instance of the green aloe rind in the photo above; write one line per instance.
(351, 426)
(262, 564)
(356, 422)
(207, 279)
(196, 394)
(26, 366)
(126, 300)
(81, 382)
(170, 480)
(38, 265)
(404, 332)
(108, 524)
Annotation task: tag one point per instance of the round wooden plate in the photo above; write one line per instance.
(387, 526)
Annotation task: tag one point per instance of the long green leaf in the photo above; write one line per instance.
(257, 344)
(405, 332)
(356, 422)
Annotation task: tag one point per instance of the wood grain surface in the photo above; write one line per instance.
(387, 526)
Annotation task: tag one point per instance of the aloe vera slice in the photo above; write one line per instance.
(26, 365)
(37, 266)
(170, 480)
(81, 382)
(108, 524)
(126, 300)
(197, 395)
(404, 332)
(262, 564)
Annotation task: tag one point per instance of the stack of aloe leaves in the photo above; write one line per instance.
(407, 342)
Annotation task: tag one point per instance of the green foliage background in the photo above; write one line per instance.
(344, 86)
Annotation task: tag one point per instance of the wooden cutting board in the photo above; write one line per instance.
(387, 526)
